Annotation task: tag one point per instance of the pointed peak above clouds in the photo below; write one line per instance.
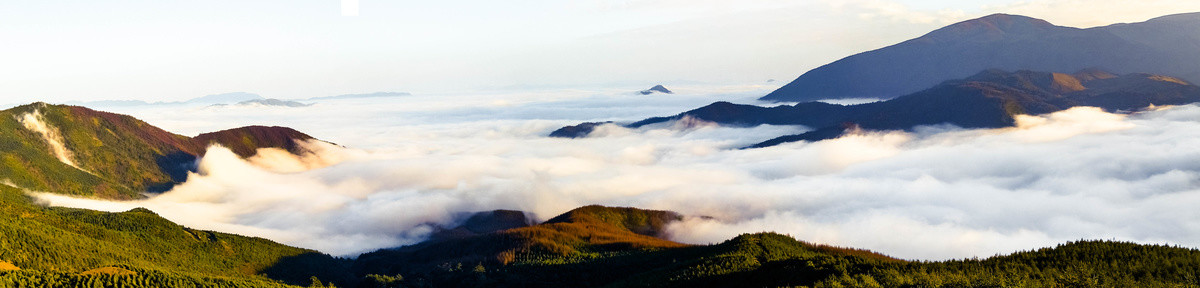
(656, 89)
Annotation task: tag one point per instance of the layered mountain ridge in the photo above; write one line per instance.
(988, 99)
(1164, 45)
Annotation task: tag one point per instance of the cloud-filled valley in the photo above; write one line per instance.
(939, 192)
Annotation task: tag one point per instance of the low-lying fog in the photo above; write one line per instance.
(939, 193)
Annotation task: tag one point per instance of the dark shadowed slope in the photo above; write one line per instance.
(483, 223)
(1164, 45)
(989, 99)
(76, 150)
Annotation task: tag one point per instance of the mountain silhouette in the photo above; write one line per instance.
(656, 89)
(988, 99)
(1164, 45)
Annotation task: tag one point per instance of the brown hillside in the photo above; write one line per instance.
(645, 222)
(246, 141)
(584, 232)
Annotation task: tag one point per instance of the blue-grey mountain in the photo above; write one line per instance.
(1166, 45)
(989, 99)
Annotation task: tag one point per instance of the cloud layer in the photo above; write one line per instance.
(936, 193)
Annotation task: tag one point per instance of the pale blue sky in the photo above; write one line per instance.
(173, 50)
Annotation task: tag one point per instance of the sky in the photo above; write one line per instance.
(70, 50)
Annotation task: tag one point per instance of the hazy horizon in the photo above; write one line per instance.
(154, 51)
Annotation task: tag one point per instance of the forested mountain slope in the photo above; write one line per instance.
(80, 151)
(51, 242)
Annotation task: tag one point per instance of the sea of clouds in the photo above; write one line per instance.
(408, 164)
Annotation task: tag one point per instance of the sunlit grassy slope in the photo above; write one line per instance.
(117, 156)
(63, 242)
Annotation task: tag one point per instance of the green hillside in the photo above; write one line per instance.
(580, 249)
(55, 247)
(115, 156)
(774, 260)
(56, 244)
(132, 278)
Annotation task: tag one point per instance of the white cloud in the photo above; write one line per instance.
(979, 193)
(321, 154)
(933, 194)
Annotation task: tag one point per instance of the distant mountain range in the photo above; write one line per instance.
(1165, 45)
(269, 102)
(360, 96)
(76, 150)
(988, 99)
(226, 98)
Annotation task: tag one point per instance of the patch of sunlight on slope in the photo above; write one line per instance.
(5, 266)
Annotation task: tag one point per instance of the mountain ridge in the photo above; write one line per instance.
(110, 155)
(1161, 45)
(988, 99)
(586, 231)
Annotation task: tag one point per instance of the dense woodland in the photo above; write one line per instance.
(47, 242)
(774, 260)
